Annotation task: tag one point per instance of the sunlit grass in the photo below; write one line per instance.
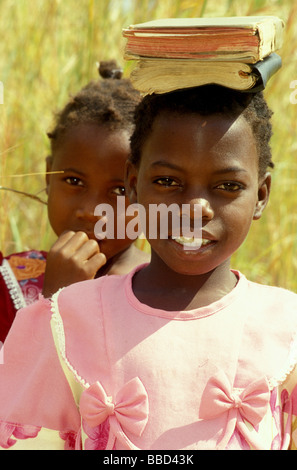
(49, 49)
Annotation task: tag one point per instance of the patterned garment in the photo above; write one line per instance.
(94, 368)
(21, 282)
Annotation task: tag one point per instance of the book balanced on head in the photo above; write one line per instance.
(237, 52)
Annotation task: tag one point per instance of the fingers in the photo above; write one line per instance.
(71, 241)
(94, 264)
(72, 258)
(78, 247)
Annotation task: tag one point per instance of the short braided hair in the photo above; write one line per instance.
(109, 101)
(207, 100)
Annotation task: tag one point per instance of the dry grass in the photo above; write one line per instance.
(49, 49)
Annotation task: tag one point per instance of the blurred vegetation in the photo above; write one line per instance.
(49, 49)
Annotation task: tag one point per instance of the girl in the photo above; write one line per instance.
(89, 147)
(183, 352)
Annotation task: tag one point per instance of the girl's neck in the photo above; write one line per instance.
(171, 291)
(124, 262)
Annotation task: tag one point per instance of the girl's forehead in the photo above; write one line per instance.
(94, 152)
(92, 139)
(218, 122)
(189, 138)
(91, 134)
(208, 131)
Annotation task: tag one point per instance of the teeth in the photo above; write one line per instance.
(191, 241)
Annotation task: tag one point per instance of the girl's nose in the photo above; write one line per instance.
(86, 212)
(200, 207)
(87, 204)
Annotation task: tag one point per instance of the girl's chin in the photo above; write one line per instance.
(110, 249)
(185, 260)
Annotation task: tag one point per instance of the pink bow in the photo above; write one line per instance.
(249, 405)
(129, 410)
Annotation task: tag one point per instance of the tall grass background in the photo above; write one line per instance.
(49, 49)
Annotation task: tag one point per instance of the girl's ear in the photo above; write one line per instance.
(131, 181)
(263, 196)
(49, 162)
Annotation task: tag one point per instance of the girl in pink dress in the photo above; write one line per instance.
(89, 147)
(183, 352)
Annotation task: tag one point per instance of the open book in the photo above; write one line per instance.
(237, 52)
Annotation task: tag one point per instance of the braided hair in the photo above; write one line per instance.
(108, 101)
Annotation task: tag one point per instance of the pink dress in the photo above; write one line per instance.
(96, 369)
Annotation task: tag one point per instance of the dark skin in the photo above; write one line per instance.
(93, 160)
(211, 161)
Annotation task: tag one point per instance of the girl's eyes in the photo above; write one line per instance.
(119, 191)
(230, 186)
(74, 181)
(166, 182)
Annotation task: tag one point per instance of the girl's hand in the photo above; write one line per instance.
(72, 258)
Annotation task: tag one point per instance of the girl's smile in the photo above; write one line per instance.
(193, 245)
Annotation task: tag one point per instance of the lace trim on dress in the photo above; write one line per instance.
(12, 284)
(290, 365)
(59, 328)
(123, 413)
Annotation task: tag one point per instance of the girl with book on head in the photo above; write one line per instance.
(183, 352)
(89, 147)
